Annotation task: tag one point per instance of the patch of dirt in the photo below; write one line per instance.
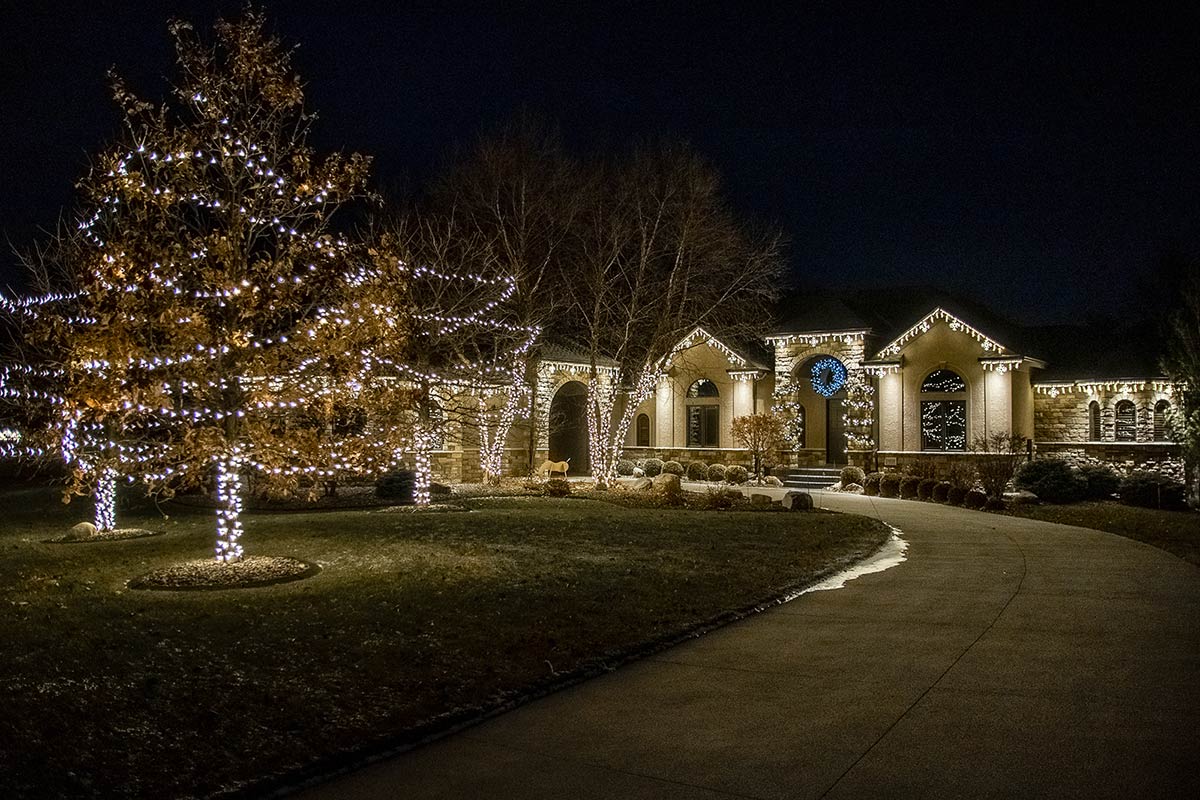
(115, 535)
(208, 573)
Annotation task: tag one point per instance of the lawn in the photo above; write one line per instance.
(415, 621)
(1177, 532)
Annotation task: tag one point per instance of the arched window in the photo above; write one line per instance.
(1093, 421)
(1126, 421)
(703, 414)
(643, 430)
(1161, 432)
(944, 412)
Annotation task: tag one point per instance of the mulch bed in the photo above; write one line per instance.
(432, 508)
(115, 535)
(208, 573)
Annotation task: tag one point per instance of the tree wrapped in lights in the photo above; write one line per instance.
(208, 253)
(785, 403)
(659, 253)
(461, 339)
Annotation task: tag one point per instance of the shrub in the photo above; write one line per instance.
(976, 498)
(716, 472)
(673, 467)
(956, 495)
(557, 487)
(625, 467)
(921, 468)
(871, 484)
(959, 473)
(889, 484)
(439, 489)
(652, 467)
(1152, 490)
(1101, 481)
(1051, 479)
(925, 488)
(994, 504)
(941, 491)
(697, 471)
(851, 475)
(718, 499)
(396, 485)
(737, 474)
(996, 459)
(908, 486)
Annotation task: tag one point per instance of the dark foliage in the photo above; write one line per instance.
(941, 491)
(1051, 479)
(1152, 490)
(925, 488)
(889, 484)
(871, 484)
(976, 498)
(909, 486)
(1101, 481)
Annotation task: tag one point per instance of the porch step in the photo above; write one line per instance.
(811, 477)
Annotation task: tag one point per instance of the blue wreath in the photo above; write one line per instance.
(828, 376)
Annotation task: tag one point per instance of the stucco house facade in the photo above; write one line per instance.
(877, 384)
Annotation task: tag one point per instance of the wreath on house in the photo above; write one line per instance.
(828, 376)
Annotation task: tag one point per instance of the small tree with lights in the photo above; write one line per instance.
(461, 340)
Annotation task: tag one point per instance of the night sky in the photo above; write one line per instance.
(1038, 160)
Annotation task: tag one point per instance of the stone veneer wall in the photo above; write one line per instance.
(1063, 416)
(1161, 457)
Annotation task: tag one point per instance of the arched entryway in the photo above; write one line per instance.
(568, 427)
(820, 383)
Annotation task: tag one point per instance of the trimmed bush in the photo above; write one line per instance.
(925, 488)
(908, 486)
(976, 498)
(557, 487)
(941, 491)
(718, 499)
(625, 467)
(439, 489)
(956, 495)
(737, 474)
(871, 484)
(716, 472)
(1051, 479)
(396, 485)
(1101, 481)
(673, 467)
(652, 467)
(889, 484)
(697, 471)
(851, 475)
(994, 504)
(1152, 490)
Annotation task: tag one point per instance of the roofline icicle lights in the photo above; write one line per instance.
(938, 315)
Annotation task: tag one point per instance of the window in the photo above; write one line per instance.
(1126, 421)
(1093, 421)
(1161, 432)
(703, 414)
(643, 430)
(944, 415)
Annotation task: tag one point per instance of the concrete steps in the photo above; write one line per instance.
(811, 477)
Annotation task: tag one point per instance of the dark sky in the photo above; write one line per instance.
(1041, 160)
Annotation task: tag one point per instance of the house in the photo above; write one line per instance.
(877, 379)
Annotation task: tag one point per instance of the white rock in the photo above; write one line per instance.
(83, 530)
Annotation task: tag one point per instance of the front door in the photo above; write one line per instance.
(835, 432)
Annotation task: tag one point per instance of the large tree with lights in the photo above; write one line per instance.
(205, 257)
(659, 253)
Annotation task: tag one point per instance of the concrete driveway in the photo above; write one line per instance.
(1004, 658)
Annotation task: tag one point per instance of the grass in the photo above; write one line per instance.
(415, 620)
(1177, 532)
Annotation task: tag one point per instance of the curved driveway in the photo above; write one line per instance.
(1004, 658)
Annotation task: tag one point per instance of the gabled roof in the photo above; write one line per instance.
(742, 355)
